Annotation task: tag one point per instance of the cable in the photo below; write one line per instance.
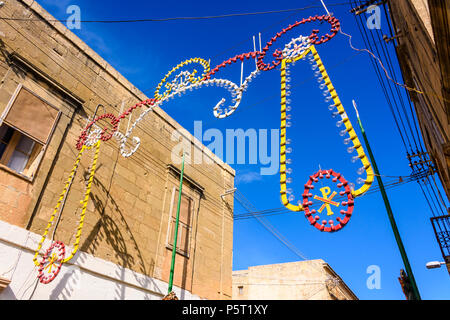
(428, 189)
(182, 18)
(278, 284)
(398, 119)
(14, 265)
(247, 205)
(282, 210)
(380, 81)
(440, 195)
(391, 67)
(387, 74)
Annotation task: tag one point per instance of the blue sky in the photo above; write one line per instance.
(145, 52)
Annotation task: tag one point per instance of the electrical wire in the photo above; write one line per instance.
(386, 87)
(387, 73)
(407, 92)
(267, 225)
(407, 119)
(278, 284)
(183, 18)
(402, 99)
(281, 210)
(272, 278)
(375, 189)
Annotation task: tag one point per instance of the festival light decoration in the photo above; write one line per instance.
(83, 202)
(330, 96)
(185, 81)
(328, 201)
(51, 262)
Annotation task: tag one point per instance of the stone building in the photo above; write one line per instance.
(423, 33)
(302, 280)
(51, 85)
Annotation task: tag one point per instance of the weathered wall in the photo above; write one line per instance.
(303, 280)
(128, 214)
(84, 278)
(422, 69)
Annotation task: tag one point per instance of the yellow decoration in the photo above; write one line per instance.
(84, 202)
(51, 262)
(190, 78)
(327, 201)
(340, 108)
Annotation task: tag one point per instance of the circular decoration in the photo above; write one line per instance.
(326, 198)
(51, 262)
(182, 79)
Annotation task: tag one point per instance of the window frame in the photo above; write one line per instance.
(172, 219)
(241, 290)
(43, 147)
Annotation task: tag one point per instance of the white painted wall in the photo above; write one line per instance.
(85, 277)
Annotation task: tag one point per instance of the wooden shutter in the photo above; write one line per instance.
(32, 116)
(184, 225)
(185, 210)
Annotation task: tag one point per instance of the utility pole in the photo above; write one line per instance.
(389, 211)
(174, 249)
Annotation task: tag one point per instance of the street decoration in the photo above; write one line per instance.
(51, 262)
(336, 106)
(58, 208)
(184, 78)
(326, 197)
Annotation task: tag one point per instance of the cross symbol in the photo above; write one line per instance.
(51, 262)
(327, 201)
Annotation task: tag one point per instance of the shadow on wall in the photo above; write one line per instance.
(66, 286)
(111, 229)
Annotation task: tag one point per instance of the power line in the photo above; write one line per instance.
(386, 87)
(278, 211)
(183, 18)
(280, 284)
(267, 225)
(407, 119)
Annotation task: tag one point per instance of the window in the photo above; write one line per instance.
(24, 132)
(184, 226)
(241, 290)
(17, 151)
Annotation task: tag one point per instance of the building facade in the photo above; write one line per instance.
(52, 84)
(422, 33)
(302, 280)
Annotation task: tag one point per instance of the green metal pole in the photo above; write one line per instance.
(389, 211)
(174, 249)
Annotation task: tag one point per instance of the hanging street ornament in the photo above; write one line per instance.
(51, 262)
(330, 209)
